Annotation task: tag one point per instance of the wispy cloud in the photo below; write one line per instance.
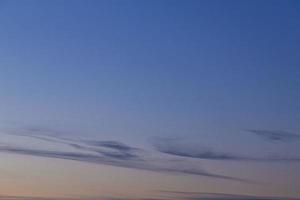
(111, 160)
(275, 135)
(171, 146)
(112, 153)
(110, 144)
(176, 148)
(33, 198)
(172, 195)
(112, 149)
(10, 197)
(167, 195)
(219, 196)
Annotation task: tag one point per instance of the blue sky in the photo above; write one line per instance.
(196, 81)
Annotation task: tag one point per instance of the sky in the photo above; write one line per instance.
(132, 100)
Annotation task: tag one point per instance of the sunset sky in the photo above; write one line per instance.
(149, 99)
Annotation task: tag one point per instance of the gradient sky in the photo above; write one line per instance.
(119, 100)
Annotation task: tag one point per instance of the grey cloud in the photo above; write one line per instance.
(39, 133)
(207, 154)
(203, 173)
(172, 195)
(114, 198)
(175, 148)
(110, 144)
(6, 197)
(105, 152)
(219, 196)
(118, 154)
(2, 197)
(275, 135)
(39, 130)
(111, 160)
(113, 149)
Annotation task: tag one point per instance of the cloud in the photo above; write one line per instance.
(110, 144)
(40, 133)
(219, 196)
(109, 148)
(39, 130)
(10, 197)
(201, 154)
(177, 195)
(114, 153)
(113, 160)
(118, 154)
(118, 150)
(6, 197)
(275, 135)
(176, 147)
(113, 149)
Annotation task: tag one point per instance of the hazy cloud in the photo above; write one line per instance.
(118, 154)
(219, 196)
(110, 144)
(117, 160)
(177, 195)
(275, 135)
(177, 148)
(113, 149)
(202, 154)
(6, 197)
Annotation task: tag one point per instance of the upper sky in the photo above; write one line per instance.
(150, 99)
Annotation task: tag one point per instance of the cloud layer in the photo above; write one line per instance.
(167, 195)
(118, 154)
(112, 153)
(218, 196)
(176, 147)
(275, 135)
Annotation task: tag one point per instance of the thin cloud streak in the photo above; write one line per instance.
(178, 195)
(219, 196)
(112, 153)
(111, 160)
(174, 195)
(275, 135)
(6, 197)
(110, 144)
(172, 147)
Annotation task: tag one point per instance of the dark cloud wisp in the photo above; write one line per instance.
(219, 196)
(118, 154)
(275, 135)
(176, 148)
(111, 159)
(110, 144)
